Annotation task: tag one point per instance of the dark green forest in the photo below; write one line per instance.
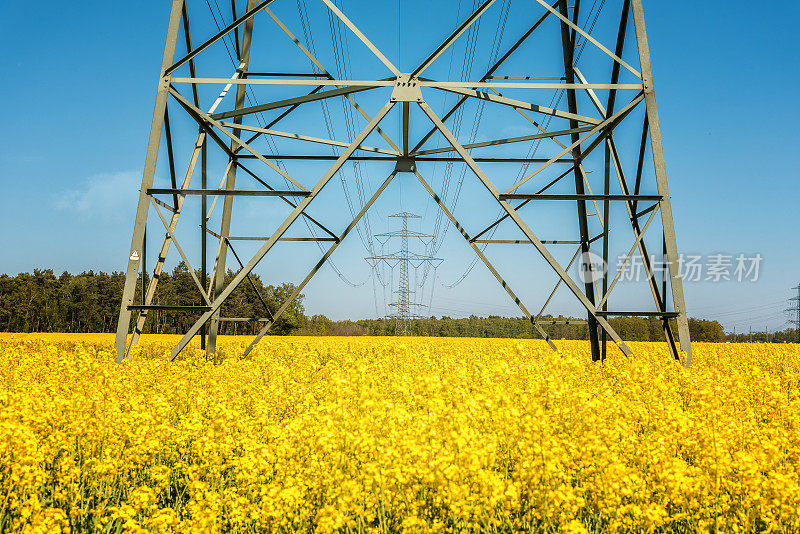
(629, 328)
(89, 302)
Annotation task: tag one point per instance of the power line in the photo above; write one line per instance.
(495, 49)
(534, 147)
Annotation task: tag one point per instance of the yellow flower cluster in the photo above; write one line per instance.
(396, 435)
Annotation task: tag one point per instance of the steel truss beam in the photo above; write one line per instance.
(586, 133)
(322, 157)
(661, 180)
(137, 242)
(352, 86)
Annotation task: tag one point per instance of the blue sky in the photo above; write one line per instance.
(79, 90)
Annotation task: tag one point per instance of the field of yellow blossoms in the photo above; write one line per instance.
(396, 435)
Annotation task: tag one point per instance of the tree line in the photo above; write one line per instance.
(89, 302)
(788, 335)
(629, 328)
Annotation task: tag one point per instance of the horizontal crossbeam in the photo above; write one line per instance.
(264, 238)
(665, 315)
(300, 137)
(167, 308)
(228, 192)
(523, 242)
(369, 84)
(286, 74)
(519, 104)
(523, 85)
(310, 97)
(536, 196)
(328, 157)
(296, 239)
(525, 78)
(507, 140)
(559, 321)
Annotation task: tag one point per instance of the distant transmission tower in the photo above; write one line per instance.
(795, 311)
(403, 258)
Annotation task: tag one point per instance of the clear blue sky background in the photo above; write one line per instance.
(78, 91)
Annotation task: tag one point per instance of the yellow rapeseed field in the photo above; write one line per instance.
(396, 435)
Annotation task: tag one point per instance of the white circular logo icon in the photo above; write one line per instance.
(591, 267)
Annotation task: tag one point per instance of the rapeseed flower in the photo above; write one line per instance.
(396, 435)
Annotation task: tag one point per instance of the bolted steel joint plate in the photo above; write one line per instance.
(405, 165)
(406, 89)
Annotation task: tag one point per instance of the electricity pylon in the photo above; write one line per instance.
(795, 311)
(615, 89)
(402, 259)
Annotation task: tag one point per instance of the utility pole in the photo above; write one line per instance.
(403, 258)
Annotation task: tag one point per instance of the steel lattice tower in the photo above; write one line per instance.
(795, 311)
(402, 259)
(614, 90)
(403, 291)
